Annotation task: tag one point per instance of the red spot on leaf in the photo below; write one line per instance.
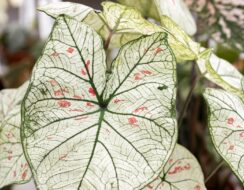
(149, 186)
(137, 76)
(238, 126)
(53, 82)
(158, 50)
(70, 50)
(178, 169)
(170, 161)
(55, 54)
(24, 174)
(241, 134)
(132, 120)
(10, 157)
(146, 72)
(77, 97)
(117, 100)
(64, 103)
(14, 174)
(231, 147)
(197, 187)
(76, 110)
(58, 93)
(143, 108)
(230, 120)
(89, 104)
(92, 91)
(88, 62)
(83, 72)
(62, 157)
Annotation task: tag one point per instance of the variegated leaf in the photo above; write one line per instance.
(81, 132)
(123, 24)
(182, 171)
(221, 72)
(13, 165)
(178, 12)
(226, 124)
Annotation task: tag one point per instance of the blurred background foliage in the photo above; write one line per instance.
(220, 25)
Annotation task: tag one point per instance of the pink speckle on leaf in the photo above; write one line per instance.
(231, 147)
(92, 91)
(143, 108)
(64, 103)
(88, 62)
(178, 169)
(146, 72)
(70, 50)
(77, 97)
(83, 72)
(53, 82)
(158, 50)
(241, 134)
(137, 76)
(89, 104)
(62, 157)
(58, 93)
(132, 120)
(197, 187)
(149, 186)
(10, 157)
(118, 100)
(55, 54)
(230, 120)
(14, 174)
(24, 174)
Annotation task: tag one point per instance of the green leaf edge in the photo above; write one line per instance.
(212, 135)
(174, 140)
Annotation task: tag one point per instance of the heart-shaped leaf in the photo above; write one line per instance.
(13, 165)
(182, 171)
(221, 72)
(81, 132)
(226, 125)
(121, 24)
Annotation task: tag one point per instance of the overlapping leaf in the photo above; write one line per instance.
(13, 165)
(221, 72)
(79, 134)
(226, 123)
(182, 171)
(123, 24)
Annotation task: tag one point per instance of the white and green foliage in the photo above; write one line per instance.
(221, 72)
(123, 24)
(13, 165)
(226, 123)
(81, 132)
(182, 171)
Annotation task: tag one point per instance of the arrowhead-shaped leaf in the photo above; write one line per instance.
(182, 171)
(81, 132)
(221, 72)
(13, 165)
(226, 125)
(125, 24)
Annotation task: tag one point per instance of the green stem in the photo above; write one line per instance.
(214, 171)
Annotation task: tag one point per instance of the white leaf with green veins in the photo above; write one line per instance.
(81, 132)
(13, 165)
(221, 72)
(128, 24)
(182, 172)
(226, 125)
(178, 11)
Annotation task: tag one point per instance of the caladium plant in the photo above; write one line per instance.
(85, 123)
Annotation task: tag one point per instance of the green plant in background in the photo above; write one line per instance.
(87, 123)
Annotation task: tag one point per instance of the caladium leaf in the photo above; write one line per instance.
(80, 132)
(226, 124)
(13, 165)
(179, 13)
(221, 72)
(182, 171)
(123, 24)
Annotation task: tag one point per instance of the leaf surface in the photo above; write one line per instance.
(13, 165)
(182, 171)
(81, 132)
(221, 72)
(226, 125)
(123, 24)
